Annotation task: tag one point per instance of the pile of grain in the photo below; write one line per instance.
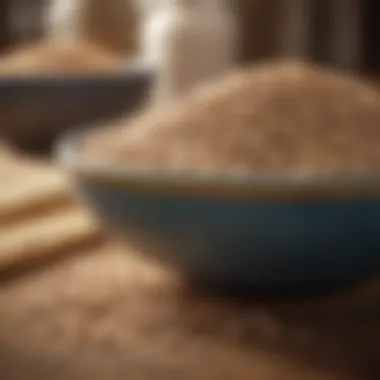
(109, 303)
(52, 58)
(281, 116)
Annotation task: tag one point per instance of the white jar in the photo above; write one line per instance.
(189, 42)
(62, 18)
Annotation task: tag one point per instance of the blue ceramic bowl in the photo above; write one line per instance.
(265, 230)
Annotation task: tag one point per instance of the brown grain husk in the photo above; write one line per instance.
(279, 116)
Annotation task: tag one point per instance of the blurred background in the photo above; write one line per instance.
(342, 32)
(95, 296)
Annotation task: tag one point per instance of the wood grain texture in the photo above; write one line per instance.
(39, 217)
(45, 235)
(29, 186)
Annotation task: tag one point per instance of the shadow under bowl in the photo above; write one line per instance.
(264, 231)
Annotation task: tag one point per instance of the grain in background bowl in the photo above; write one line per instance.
(46, 89)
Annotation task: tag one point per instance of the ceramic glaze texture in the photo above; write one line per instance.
(271, 244)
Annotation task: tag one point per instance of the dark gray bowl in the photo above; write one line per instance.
(270, 231)
(35, 109)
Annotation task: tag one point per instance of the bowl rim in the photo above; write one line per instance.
(133, 69)
(175, 181)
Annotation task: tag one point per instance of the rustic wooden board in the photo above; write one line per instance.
(28, 185)
(38, 215)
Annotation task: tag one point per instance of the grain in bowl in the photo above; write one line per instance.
(51, 57)
(274, 117)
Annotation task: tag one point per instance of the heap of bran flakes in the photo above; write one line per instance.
(272, 117)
